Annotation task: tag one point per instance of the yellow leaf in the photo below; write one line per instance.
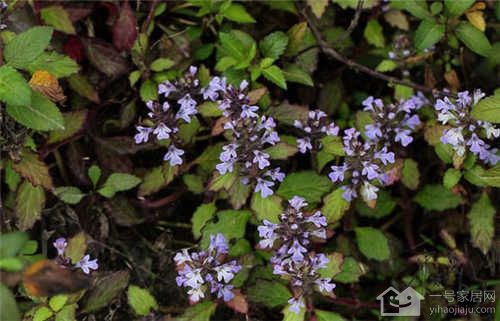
(476, 19)
(45, 83)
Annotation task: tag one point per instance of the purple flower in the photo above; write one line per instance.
(261, 158)
(162, 131)
(60, 244)
(313, 129)
(296, 304)
(187, 108)
(263, 187)
(275, 174)
(248, 111)
(403, 136)
(325, 285)
(166, 88)
(143, 134)
(86, 264)
(173, 155)
(304, 144)
(225, 167)
(337, 173)
(215, 86)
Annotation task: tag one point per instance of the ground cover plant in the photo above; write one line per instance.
(237, 160)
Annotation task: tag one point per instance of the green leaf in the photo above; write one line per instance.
(294, 73)
(333, 266)
(270, 294)
(416, 8)
(410, 175)
(77, 245)
(268, 208)
(42, 313)
(58, 18)
(237, 12)
(83, 87)
(118, 182)
(203, 214)
(12, 243)
(428, 33)
(161, 64)
(56, 64)
(384, 206)
(335, 206)
(306, 184)
(451, 177)
(231, 223)
(8, 306)
(194, 183)
(274, 44)
(225, 181)
(73, 124)
(67, 313)
(232, 46)
(27, 46)
(94, 173)
(141, 301)
(157, 178)
(281, 151)
(473, 38)
(456, 7)
(275, 75)
(318, 7)
(482, 223)
(437, 198)
(14, 90)
(328, 316)
(289, 315)
(148, 90)
(107, 288)
(491, 176)
(30, 201)
(386, 65)
(41, 114)
(488, 109)
(352, 270)
(33, 169)
(12, 178)
(238, 194)
(372, 243)
(57, 302)
(374, 34)
(69, 194)
(199, 312)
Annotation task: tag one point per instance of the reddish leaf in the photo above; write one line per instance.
(125, 28)
(74, 49)
(239, 302)
(105, 58)
(33, 169)
(78, 13)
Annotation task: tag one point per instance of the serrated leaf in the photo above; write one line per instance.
(148, 90)
(141, 301)
(306, 184)
(335, 206)
(437, 198)
(474, 39)
(107, 288)
(491, 176)
(372, 243)
(274, 44)
(157, 178)
(410, 175)
(455, 8)
(268, 208)
(488, 109)
(275, 75)
(482, 223)
(294, 73)
(270, 294)
(428, 33)
(161, 64)
(451, 177)
(199, 312)
(12, 243)
(416, 8)
(41, 114)
(57, 302)
(118, 182)
(386, 65)
(352, 270)
(30, 201)
(58, 18)
(237, 12)
(281, 151)
(333, 267)
(203, 214)
(225, 181)
(33, 169)
(74, 122)
(67, 313)
(69, 194)
(42, 313)
(374, 34)
(56, 64)
(27, 46)
(384, 206)
(231, 223)
(14, 90)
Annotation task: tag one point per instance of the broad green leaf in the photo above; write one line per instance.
(94, 173)
(157, 178)
(118, 182)
(491, 176)
(33, 169)
(270, 294)
(42, 313)
(397, 18)
(333, 267)
(30, 201)
(74, 122)
(372, 243)
(199, 312)
(27, 46)
(306, 184)
(335, 206)
(237, 12)
(318, 7)
(428, 33)
(281, 151)
(384, 206)
(77, 245)
(488, 109)
(67, 313)
(328, 316)
(106, 289)
(225, 181)
(451, 177)
(161, 64)
(416, 8)
(57, 302)
(482, 223)
(456, 7)
(187, 131)
(12, 243)
(286, 113)
(148, 90)
(141, 301)
(268, 208)
(11, 177)
(69, 194)
(374, 34)
(203, 214)
(209, 109)
(274, 44)
(80, 84)
(294, 73)
(8, 305)
(386, 65)
(231, 223)
(41, 114)
(473, 38)
(275, 75)
(58, 18)
(352, 270)
(238, 194)
(437, 198)
(56, 64)
(194, 183)
(410, 175)
(14, 90)
(232, 46)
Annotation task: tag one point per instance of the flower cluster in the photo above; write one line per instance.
(180, 101)
(291, 240)
(316, 127)
(85, 264)
(464, 132)
(363, 163)
(204, 270)
(250, 135)
(393, 122)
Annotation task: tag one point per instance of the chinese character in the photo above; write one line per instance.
(449, 295)
(476, 296)
(462, 296)
(489, 296)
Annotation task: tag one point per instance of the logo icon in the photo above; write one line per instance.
(395, 303)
